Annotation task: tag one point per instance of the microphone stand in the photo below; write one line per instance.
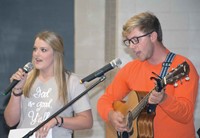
(30, 133)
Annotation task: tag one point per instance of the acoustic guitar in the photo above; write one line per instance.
(139, 122)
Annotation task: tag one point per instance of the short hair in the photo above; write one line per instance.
(146, 22)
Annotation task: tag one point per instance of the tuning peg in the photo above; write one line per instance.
(175, 84)
(187, 78)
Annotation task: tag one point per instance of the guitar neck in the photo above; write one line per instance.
(140, 106)
(173, 76)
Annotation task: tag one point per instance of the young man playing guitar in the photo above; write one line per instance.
(175, 103)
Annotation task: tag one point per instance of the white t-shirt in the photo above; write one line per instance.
(43, 102)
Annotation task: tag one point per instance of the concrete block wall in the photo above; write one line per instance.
(89, 53)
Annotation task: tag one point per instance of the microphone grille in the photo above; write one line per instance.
(28, 67)
(116, 62)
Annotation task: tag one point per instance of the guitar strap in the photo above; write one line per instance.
(165, 66)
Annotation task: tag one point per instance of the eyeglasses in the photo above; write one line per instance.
(134, 40)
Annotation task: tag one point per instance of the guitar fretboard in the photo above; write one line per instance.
(140, 106)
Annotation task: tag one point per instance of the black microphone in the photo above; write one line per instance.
(28, 67)
(114, 63)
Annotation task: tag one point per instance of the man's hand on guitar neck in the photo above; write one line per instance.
(157, 97)
(117, 120)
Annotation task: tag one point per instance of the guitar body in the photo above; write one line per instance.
(142, 125)
(135, 109)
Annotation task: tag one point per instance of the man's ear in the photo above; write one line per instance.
(153, 36)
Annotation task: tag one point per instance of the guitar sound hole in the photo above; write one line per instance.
(125, 135)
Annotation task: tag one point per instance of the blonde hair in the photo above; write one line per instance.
(146, 22)
(56, 42)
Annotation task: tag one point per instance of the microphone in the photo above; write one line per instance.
(27, 68)
(114, 63)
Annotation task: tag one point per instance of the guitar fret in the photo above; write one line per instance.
(139, 107)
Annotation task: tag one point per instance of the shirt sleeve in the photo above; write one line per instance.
(180, 103)
(117, 90)
(75, 89)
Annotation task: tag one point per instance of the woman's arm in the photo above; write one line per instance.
(82, 120)
(13, 110)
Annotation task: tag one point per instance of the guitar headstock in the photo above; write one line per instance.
(176, 74)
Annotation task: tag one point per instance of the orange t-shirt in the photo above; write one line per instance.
(174, 117)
